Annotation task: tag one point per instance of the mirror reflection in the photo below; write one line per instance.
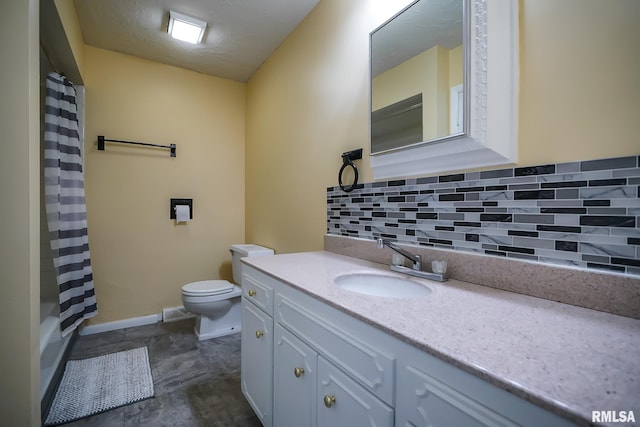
(417, 76)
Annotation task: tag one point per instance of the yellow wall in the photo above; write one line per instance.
(579, 100)
(140, 257)
(441, 106)
(307, 105)
(19, 216)
(455, 66)
(579, 90)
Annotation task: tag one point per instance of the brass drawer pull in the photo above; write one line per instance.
(252, 292)
(259, 334)
(298, 372)
(329, 401)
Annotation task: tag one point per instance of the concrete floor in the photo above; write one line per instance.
(196, 383)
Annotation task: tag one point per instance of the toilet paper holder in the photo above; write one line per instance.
(176, 202)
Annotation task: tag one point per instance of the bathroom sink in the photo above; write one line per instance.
(381, 285)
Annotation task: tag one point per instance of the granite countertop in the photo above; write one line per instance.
(566, 359)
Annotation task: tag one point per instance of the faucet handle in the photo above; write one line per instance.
(417, 265)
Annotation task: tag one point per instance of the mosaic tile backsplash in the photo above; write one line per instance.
(583, 214)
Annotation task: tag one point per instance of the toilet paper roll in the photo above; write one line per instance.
(183, 214)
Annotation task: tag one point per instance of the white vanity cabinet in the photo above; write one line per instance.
(310, 389)
(331, 369)
(257, 348)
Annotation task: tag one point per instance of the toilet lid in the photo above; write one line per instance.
(207, 288)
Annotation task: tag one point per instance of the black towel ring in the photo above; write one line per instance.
(347, 162)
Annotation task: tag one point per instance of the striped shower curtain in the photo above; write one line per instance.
(65, 204)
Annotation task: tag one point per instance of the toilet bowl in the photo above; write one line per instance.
(216, 303)
(213, 301)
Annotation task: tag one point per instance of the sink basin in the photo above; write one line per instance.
(381, 285)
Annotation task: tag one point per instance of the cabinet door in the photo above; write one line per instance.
(294, 381)
(257, 361)
(433, 393)
(343, 402)
(425, 401)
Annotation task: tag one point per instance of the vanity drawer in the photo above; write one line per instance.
(255, 289)
(371, 367)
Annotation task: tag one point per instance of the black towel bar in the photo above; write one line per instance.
(102, 140)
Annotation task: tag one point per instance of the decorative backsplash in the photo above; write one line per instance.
(582, 214)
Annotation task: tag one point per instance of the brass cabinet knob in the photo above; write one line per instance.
(329, 401)
(298, 372)
(259, 334)
(252, 292)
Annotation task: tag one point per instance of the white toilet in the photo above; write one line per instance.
(217, 302)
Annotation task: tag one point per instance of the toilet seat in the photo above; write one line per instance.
(206, 288)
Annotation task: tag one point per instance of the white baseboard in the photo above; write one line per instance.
(121, 324)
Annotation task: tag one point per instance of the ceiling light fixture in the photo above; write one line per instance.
(186, 28)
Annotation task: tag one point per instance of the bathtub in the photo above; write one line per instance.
(52, 348)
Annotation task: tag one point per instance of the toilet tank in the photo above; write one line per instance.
(241, 251)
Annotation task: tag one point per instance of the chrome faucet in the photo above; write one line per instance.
(416, 259)
(416, 269)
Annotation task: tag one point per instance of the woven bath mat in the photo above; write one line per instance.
(94, 385)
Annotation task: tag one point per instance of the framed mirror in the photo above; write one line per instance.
(418, 75)
(444, 87)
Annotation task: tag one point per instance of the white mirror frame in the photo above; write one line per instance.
(492, 134)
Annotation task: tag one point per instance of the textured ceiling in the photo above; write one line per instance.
(240, 36)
